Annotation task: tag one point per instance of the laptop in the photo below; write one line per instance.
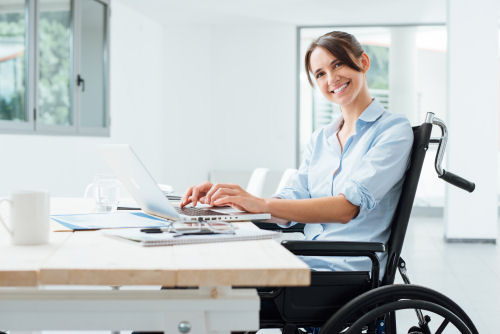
(151, 199)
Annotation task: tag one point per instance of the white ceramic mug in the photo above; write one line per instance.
(29, 217)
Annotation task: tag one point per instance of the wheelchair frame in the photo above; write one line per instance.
(350, 302)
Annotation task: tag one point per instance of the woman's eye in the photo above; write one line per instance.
(319, 75)
(338, 64)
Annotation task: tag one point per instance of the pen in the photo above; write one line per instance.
(161, 230)
(155, 230)
(194, 233)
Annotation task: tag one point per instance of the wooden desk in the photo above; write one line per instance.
(51, 273)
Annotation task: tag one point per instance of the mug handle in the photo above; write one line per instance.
(89, 190)
(1, 218)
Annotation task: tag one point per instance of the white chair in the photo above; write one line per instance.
(285, 178)
(257, 181)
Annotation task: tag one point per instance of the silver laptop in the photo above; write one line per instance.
(151, 199)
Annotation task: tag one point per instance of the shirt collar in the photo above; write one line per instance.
(372, 112)
(334, 126)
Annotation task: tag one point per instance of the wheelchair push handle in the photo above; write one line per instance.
(458, 181)
(449, 177)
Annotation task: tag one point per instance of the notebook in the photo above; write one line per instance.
(168, 239)
(145, 191)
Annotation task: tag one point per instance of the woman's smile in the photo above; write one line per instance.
(340, 88)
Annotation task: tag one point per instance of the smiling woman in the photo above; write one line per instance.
(350, 178)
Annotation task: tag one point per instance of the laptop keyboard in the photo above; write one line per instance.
(190, 211)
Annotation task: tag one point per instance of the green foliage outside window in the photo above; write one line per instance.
(54, 68)
(54, 65)
(378, 75)
(12, 106)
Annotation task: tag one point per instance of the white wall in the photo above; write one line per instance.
(229, 99)
(473, 119)
(137, 97)
(254, 96)
(187, 96)
(64, 165)
(431, 84)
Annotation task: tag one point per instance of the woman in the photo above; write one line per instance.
(349, 182)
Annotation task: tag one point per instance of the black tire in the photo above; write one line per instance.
(415, 330)
(366, 302)
(377, 312)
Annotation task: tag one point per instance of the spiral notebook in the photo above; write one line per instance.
(168, 239)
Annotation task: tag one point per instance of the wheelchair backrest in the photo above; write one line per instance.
(421, 138)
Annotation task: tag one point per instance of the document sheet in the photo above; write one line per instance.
(96, 221)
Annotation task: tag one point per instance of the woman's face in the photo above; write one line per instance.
(338, 82)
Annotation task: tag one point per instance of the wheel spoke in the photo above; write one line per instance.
(442, 326)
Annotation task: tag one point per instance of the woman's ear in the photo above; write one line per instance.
(365, 62)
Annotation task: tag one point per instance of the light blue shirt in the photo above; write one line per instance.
(368, 172)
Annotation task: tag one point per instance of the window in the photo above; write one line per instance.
(54, 66)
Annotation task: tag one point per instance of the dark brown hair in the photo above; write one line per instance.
(341, 45)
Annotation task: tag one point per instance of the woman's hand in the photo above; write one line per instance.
(223, 194)
(196, 194)
(235, 196)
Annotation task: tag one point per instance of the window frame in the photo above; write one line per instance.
(32, 55)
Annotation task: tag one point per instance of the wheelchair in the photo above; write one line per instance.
(360, 301)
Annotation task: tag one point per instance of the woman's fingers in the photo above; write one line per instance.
(236, 202)
(186, 199)
(222, 192)
(229, 200)
(194, 197)
(243, 201)
(218, 186)
(195, 194)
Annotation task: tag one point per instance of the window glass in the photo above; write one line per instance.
(12, 61)
(54, 43)
(92, 108)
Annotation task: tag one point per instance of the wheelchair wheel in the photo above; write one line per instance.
(380, 311)
(373, 300)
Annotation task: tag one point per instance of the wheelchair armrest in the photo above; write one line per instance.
(332, 248)
(274, 227)
(339, 248)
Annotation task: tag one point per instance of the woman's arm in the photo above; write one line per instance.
(312, 210)
(325, 209)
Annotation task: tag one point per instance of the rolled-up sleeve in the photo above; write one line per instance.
(382, 167)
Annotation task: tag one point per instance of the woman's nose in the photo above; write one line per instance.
(332, 78)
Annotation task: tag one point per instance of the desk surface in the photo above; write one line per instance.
(89, 258)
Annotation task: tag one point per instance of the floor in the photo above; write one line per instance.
(468, 273)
